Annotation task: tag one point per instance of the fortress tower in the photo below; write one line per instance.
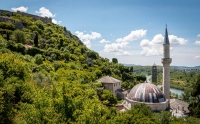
(154, 73)
(166, 60)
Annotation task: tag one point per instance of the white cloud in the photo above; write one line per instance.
(104, 41)
(154, 47)
(21, 9)
(197, 57)
(134, 35)
(198, 35)
(119, 48)
(116, 48)
(174, 40)
(56, 22)
(87, 37)
(197, 42)
(45, 12)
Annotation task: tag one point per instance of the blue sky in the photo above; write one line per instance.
(130, 30)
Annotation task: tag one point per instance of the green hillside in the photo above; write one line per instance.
(47, 75)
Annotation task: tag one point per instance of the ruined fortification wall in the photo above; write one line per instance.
(35, 17)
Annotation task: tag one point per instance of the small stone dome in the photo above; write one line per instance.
(146, 92)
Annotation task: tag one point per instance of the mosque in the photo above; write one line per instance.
(152, 96)
(148, 93)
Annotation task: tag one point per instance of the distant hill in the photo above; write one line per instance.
(187, 68)
(131, 65)
(177, 67)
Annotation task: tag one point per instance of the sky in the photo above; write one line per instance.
(130, 30)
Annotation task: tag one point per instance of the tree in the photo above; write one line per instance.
(194, 106)
(92, 54)
(38, 59)
(108, 97)
(36, 40)
(7, 36)
(114, 60)
(164, 117)
(139, 114)
(19, 36)
(7, 25)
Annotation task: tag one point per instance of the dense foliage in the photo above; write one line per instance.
(45, 77)
(195, 99)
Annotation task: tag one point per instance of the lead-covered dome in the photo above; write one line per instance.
(146, 92)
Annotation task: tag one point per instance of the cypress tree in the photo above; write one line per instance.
(36, 40)
(7, 36)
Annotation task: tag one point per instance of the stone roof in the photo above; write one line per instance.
(109, 79)
(176, 103)
(146, 92)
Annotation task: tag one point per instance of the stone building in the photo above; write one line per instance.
(111, 84)
(154, 73)
(179, 108)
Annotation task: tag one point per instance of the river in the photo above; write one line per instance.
(175, 91)
(172, 90)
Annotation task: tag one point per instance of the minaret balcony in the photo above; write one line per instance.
(166, 60)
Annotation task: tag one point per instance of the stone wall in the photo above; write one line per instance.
(35, 17)
(108, 86)
(116, 86)
(2, 12)
(5, 19)
(154, 106)
(113, 87)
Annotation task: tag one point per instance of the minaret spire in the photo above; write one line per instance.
(166, 40)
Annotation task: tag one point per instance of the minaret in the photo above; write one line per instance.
(166, 60)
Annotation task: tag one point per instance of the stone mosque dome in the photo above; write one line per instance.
(146, 92)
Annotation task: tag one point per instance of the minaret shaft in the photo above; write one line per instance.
(166, 60)
(166, 80)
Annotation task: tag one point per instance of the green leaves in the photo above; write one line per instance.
(19, 36)
(108, 98)
(7, 25)
(194, 106)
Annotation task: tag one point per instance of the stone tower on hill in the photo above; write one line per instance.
(154, 73)
(166, 60)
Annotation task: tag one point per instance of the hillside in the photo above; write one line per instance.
(47, 75)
